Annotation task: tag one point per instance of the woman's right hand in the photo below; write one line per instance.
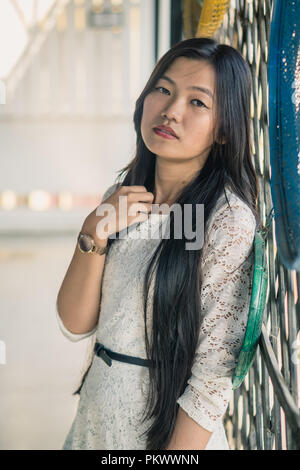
(104, 221)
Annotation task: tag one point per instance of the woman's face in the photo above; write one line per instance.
(187, 110)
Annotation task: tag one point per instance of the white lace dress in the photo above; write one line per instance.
(112, 398)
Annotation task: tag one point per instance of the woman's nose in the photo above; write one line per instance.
(175, 111)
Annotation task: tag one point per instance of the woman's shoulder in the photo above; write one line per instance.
(111, 189)
(231, 212)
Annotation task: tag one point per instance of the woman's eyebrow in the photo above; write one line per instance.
(194, 87)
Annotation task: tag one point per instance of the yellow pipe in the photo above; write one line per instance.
(211, 17)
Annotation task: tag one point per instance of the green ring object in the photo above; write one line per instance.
(256, 311)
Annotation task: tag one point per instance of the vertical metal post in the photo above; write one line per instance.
(176, 21)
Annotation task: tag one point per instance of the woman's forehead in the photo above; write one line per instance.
(192, 72)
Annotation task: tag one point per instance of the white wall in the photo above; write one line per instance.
(53, 144)
(60, 155)
(67, 124)
(42, 367)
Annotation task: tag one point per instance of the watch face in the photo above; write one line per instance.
(86, 243)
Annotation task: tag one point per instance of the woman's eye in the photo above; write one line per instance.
(160, 87)
(202, 104)
(199, 101)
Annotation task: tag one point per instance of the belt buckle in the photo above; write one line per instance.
(100, 351)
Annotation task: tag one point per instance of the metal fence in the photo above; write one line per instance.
(264, 410)
(264, 413)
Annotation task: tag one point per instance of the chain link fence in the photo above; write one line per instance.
(264, 410)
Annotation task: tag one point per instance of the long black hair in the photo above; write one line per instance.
(176, 310)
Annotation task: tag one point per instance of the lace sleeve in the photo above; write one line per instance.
(226, 282)
(67, 333)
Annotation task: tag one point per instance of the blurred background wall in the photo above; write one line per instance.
(70, 74)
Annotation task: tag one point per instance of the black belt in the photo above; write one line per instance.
(107, 355)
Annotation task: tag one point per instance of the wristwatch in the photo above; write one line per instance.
(86, 244)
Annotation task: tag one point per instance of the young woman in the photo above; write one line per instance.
(183, 311)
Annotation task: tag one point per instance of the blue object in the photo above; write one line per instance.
(284, 127)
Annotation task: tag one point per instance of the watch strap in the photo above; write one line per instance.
(99, 250)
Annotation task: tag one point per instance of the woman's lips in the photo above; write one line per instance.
(164, 134)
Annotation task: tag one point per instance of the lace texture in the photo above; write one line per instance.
(226, 283)
(113, 398)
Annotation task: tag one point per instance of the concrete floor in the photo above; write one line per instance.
(42, 366)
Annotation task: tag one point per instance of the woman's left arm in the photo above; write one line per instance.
(226, 275)
(188, 435)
